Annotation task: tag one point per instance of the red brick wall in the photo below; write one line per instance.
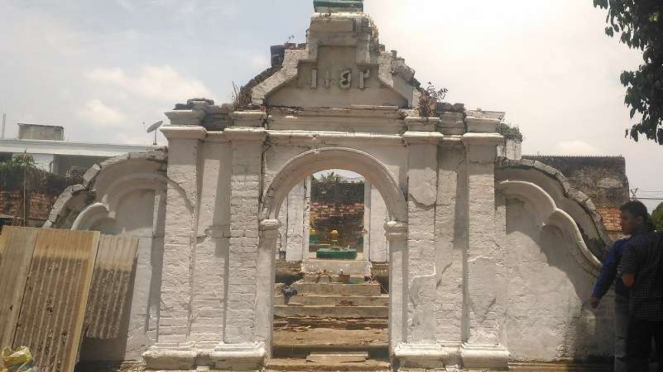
(347, 219)
(38, 207)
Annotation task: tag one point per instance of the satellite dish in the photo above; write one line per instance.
(154, 126)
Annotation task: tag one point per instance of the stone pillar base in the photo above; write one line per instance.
(494, 357)
(430, 356)
(238, 357)
(171, 357)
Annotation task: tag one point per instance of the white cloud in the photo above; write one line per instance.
(576, 148)
(161, 83)
(96, 112)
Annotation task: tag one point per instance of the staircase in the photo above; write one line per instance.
(331, 325)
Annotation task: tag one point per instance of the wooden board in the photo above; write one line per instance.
(52, 315)
(18, 245)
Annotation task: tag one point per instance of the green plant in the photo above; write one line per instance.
(640, 25)
(509, 132)
(330, 177)
(429, 100)
(657, 216)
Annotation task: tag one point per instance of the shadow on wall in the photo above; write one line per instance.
(548, 316)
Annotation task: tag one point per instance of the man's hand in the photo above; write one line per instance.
(594, 302)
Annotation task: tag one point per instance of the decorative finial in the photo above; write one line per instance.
(334, 6)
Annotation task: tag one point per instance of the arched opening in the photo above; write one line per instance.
(335, 210)
(335, 308)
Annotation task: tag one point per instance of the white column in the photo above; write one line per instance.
(244, 233)
(396, 234)
(173, 349)
(244, 342)
(378, 217)
(264, 308)
(367, 221)
(422, 196)
(420, 349)
(209, 285)
(485, 270)
(296, 221)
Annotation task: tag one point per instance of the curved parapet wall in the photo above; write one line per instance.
(578, 205)
(554, 240)
(104, 185)
(123, 196)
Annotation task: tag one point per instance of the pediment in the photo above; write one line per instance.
(342, 65)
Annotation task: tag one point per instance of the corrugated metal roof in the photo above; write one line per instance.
(53, 310)
(16, 248)
(110, 284)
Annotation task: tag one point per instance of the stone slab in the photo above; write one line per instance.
(332, 311)
(339, 357)
(367, 289)
(296, 364)
(336, 300)
(349, 267)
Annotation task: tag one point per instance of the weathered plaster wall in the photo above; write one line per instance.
(211, 253)
(294, 218)
(124, 196)
(547, 316)
(450, 242)
(134, 217)
(578, 205)
(375, 216)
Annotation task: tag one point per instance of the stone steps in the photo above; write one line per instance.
(338, 312)
(333, 267)
(332, 300)
(338, 289)
(301, 365)
(330, 323)
(558, 367)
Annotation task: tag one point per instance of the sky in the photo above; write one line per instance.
(102, 68)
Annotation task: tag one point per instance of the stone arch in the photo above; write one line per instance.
(113, 195)
(396, 229)
(318, 160)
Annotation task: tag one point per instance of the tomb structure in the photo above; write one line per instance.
(489, 260)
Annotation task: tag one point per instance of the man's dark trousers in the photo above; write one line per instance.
(638, 344)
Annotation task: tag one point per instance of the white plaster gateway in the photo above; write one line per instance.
(489, 261)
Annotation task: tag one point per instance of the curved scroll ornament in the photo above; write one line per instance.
(547, 213)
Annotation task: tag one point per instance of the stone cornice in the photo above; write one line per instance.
(481, 125)
(312, 138)
(453, 140)
(184, 132)
(246, 134)
(248, 118)
(217, 136)
(423, 138)
(482, 139)
(186, 117)
(420, 124)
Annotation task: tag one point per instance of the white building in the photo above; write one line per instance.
(52, 153)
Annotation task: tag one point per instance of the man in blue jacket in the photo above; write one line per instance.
(606, 278)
